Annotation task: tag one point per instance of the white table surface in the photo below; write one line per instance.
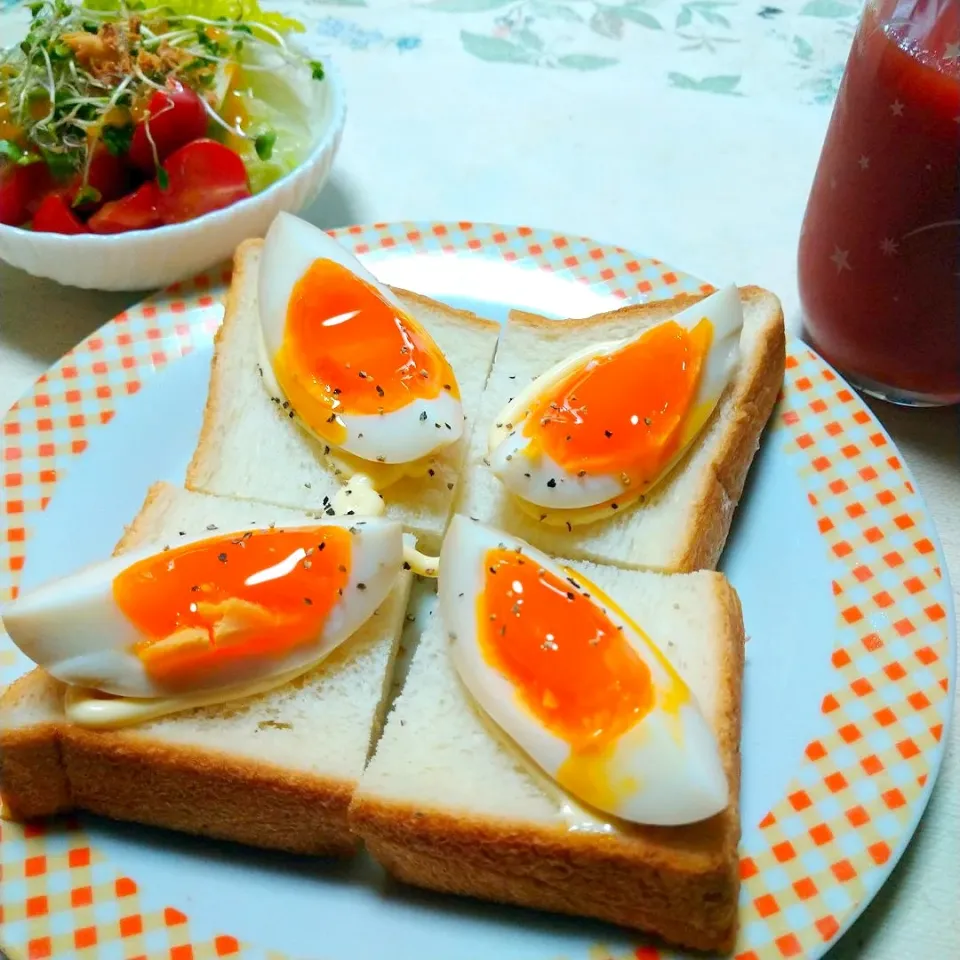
(598, 131)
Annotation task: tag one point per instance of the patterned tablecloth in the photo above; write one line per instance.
(686, 129)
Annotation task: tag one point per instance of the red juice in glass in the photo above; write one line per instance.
(879, 261)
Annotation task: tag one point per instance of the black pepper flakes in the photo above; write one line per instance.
(361, 586)
(423, 416)
(608, 433)
(551, 483)
(222, 557)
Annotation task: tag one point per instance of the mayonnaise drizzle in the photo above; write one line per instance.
(359, 496)
(99, 711)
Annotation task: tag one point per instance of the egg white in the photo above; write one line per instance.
(397, 436)
(74, 629)
(671, 754)
(539, 479)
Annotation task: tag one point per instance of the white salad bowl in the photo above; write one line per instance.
(143, 259)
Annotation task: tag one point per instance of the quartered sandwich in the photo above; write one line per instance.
(224, 673)
(328, 387)
(567, 738)
(626, 437)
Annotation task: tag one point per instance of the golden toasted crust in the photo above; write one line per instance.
(33, 782)
(52, 767)
(206, 442)
(754, 399)
(681, 883)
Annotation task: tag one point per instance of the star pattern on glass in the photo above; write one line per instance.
(952, 51)
(889, 247)
(864, 162)
(896, 108)
(841, 259)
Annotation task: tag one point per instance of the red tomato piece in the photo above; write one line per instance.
(55, 216)
(108, 175)
(202, 176)
(21, 190)
(175, 116)
(139, 210)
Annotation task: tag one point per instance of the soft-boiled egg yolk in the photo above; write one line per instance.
(346, 350)
(214, 602)
(623, 412)
(574, 682)
(573, 669)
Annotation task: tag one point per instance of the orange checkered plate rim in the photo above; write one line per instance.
(868, 744)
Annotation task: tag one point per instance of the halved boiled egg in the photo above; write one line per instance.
(360, 373)
(604, 426)
(211, 612)
(574, 682)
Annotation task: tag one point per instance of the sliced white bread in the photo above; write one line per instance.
(683, 523)
(276, 770)
(448, 805)
(251, 448)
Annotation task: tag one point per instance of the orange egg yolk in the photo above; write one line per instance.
(229, 599)
(347, 350)
(573, 669)
(623, 413)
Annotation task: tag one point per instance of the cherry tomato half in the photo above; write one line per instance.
(175, 116)
(139, 210)
(21, 190)
(202, 176)
(55, 216)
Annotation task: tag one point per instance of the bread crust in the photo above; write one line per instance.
(680, 883)
(205, 451)
(53, 767)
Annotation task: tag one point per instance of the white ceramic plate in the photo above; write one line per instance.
(849, 660)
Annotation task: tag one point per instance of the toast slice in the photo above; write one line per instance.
(684, 521)
(276, 770)
(245, 435)
(448, 805)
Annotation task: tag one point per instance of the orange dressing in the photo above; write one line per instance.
(242, 596)
(624, 412)
(574, 670)
(347, 350)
